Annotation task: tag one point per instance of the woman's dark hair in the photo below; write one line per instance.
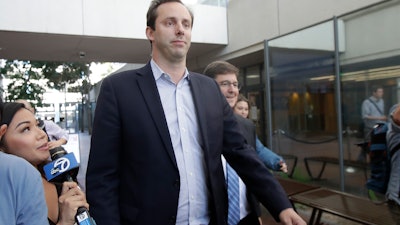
(152, 12)
(241, 98)
(7, 112)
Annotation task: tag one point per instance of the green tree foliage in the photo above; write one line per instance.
(25, 81)
(30, 79)
(58, 74)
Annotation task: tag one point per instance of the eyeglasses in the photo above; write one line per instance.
(227, 84)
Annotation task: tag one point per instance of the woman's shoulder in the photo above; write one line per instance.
(18, 168)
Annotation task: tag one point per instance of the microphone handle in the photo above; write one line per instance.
(83, 217)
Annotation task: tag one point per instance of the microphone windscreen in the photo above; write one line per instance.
(57, 152)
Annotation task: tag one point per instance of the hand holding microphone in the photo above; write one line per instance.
(64, 167)
(71, 198)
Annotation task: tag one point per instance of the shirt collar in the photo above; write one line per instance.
(158, 72)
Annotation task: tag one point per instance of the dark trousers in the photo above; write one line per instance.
(250, 219)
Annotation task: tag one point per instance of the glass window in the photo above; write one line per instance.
(253, 75)
(315, 115)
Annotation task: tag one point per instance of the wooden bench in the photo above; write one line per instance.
(331, 160)
(344, 205)
(293, 187)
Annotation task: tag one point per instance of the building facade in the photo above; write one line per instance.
(306, 66)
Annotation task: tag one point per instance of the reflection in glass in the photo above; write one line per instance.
(301, 88)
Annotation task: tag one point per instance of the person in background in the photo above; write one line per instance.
(270, 158)
(372, 112)
(393, 145)
(57, 135)
(22, 198)
(225, 74)
(21, 136)
(155, 156)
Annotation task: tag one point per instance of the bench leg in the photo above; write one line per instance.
(312, 218)
(309, 171)
(322, 170)
(318, 220)
(307, 167)
(294, 166)
(315, 218)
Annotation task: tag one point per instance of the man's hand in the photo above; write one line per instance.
(59, 142)
(290, 217)
(283, 166)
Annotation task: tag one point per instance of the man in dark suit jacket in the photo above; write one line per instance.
(226, 76)
(249, 133)
(158, 135)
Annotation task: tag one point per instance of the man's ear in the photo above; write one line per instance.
(149, 33)
(3, 129)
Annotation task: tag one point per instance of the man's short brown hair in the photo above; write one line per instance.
(152, 12)
(220, 67)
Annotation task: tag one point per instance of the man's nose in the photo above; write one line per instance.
(180, 29)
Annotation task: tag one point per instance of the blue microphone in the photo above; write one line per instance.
(62, 168)
(65, 166)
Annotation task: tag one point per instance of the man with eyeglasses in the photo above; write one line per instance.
(225, 74)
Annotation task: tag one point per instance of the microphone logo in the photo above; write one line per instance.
(60, 166)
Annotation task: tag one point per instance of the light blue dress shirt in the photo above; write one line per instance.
(180, 113)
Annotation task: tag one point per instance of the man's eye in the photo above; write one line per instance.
(170, 24)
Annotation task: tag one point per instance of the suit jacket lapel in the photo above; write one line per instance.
(148, 88)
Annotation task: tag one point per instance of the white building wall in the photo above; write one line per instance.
(103, 18)
(251, 23)
(247, 23)
(371, 27)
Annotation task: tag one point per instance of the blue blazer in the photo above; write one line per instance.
(132, 175)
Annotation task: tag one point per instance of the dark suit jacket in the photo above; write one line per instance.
(132, 175)
(248, 130)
